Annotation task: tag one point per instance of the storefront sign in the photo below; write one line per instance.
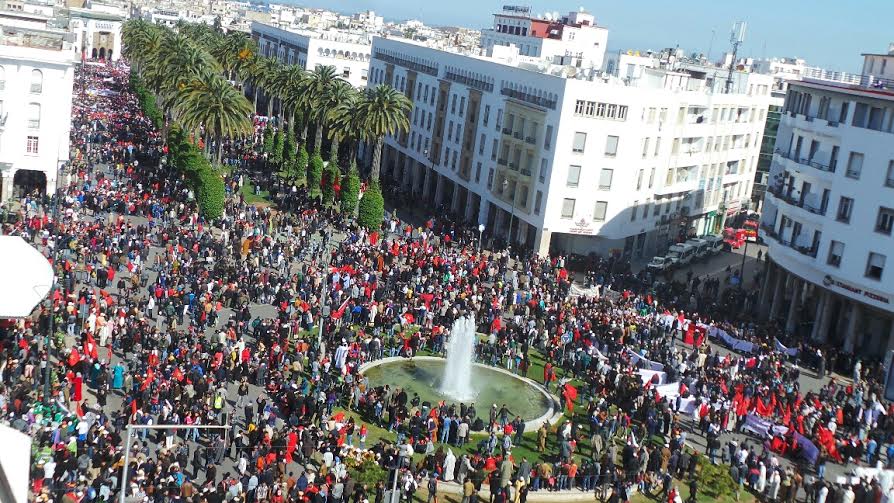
(582, 226)
(829, 281)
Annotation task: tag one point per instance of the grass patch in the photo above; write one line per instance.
(248, 192)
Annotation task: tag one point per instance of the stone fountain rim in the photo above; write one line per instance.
(553, 413)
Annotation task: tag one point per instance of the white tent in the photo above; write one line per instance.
(14, 465)
(26, 277)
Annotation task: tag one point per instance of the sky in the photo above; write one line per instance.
(829, 34)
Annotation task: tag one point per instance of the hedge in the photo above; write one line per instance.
(315, 175)
(371, 211)
(350, 191)
(186, 157)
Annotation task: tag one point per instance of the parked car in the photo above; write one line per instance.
(680, 254)
(659, 264)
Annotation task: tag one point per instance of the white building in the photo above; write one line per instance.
(36, 77)
(348, 52)
(571, 159)
(573, 40)
(829, 212)
(97, 33)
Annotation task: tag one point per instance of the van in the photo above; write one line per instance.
(681, 254)
(715, 243)
(659, 264)
(701, 247)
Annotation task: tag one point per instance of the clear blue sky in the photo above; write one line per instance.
(831, 34)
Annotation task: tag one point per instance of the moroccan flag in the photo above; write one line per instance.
(79, 410)
(133, 406)
(570, 396)
(178, 375)
(90, 347)
(340, 311)
(74, 357)
(150, 376)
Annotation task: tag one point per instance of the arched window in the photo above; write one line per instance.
(34, 115)
(36, 81)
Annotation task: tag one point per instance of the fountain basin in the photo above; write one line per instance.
(423, 374)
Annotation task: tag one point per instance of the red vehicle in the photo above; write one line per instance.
(734, 238)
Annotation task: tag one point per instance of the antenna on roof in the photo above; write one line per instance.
(736, 38)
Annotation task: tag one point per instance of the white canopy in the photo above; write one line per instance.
(25, 277)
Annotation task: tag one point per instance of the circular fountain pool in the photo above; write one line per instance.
(423, 375)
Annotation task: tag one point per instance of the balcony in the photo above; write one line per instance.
(470, 81)
(501, 161)
(517, 135)
(530, 140)
(828, 168)
(507, 130)
(779, 192)
(526, 172)
(531, 99)
(807, 251)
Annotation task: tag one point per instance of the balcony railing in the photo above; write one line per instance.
(829, 168)
(406, 63)
(530, 140)
(517, 135)
(853, 79)
(529, 98)
(470, 81)
(779, 192)
(501, 162)
(809, 251)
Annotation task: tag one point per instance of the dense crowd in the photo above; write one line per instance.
(164, 318)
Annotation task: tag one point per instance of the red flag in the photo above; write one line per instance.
(74, 357)
(133, 407)
(150, 376)
(90, 347)
(178, 375)
(79, 410)
(340, 311)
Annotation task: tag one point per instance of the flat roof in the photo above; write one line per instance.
(882, 93)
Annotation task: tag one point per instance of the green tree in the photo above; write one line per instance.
(211, 101)
(385, 112)
(277, 154)
(267, 140)
(371, 210)
(350, 191)
(318, 85)
(288, 147)
(331, 177)
(301, 163)
(315, 175)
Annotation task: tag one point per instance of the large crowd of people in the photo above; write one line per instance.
(162, 318)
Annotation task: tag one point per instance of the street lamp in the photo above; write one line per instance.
(511, 216)
(480, 236)
(54, 255)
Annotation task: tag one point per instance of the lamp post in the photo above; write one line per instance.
(54, 254)
(480, 236)
(324, 299)
(505, 185)
(742, 269)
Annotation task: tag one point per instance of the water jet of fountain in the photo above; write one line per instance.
(457, 380)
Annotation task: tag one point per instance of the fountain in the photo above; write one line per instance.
(450, 380)
(457, 380)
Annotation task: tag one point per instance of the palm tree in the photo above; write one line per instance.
(341, 117)
(318, 86)
(385, 111)
(211, 101)
(266, 73)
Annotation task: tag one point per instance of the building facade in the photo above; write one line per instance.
(572, 162)
(97, 34)
(348, 52)
(36, 76)
(829, 212)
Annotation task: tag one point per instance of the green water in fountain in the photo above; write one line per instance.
(423, 377)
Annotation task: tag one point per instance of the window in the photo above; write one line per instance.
(854, 165)
(605, 179)
(493, 151)
(645, 147)
(548, 138)
(889, 178)
(845, 208)
(639, 179)
(600, 210)
(544, 169)
(36, 81)
(486, 114)
(33, 116)
(580, 141)
(481, 141)
(579, 107)
(462, 105)
(885, 220)
(490, 178)
(478, 173)
(651, 177)
(538, 202)
(31, 145)
(611, 145)
(634, 210)
(836, 250)
(875, 266)
(573, 176)
(568, 208)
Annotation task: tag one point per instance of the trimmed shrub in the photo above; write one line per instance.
(299, 167)
(331, 179)
(350, 191)
(371, 210)
(315, 175)
(276, 157)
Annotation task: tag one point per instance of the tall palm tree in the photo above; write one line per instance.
(211, 101)
(317, 87)
(341, 117)
(266, 72)
(385, 111)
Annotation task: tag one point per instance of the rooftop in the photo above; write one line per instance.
(853, 81)
(35, 39)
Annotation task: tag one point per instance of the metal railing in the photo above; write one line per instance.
(829, 168)
(529, 98)
(853, 79)
(407, 63)
(470, 81)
